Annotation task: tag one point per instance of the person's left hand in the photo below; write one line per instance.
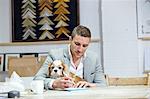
(84, 84)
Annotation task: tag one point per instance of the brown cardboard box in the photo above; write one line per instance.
(25, 66)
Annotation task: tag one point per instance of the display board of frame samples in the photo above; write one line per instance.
(43, 20)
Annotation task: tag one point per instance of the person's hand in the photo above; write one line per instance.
(84, 84)
(64, 82)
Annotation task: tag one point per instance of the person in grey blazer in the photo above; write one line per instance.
(80, 61)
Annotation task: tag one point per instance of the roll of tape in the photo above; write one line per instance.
(14, 93)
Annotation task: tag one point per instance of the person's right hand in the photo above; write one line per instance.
(64, 82)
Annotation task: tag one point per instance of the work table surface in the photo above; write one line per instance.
(95, 93)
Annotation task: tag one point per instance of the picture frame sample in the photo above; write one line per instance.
(7, 57)
(42, 56)
(43, 20)
(143, 18)
(28, 54)
(1, 62)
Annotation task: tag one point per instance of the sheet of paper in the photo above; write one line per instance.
(74, 89)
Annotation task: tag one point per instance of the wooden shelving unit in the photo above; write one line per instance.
(41, 43)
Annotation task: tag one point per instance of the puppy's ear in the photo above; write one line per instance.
(65, 69)
(49, 69)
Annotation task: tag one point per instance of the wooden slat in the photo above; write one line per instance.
(148, 83)
(123, 81)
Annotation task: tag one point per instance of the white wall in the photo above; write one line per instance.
(121, 55)
(5, 22)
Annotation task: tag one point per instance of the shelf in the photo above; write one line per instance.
(41, 43)
(145, 38)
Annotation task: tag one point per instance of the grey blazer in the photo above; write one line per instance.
(92, 70)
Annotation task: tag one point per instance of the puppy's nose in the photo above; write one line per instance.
(55, 70)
